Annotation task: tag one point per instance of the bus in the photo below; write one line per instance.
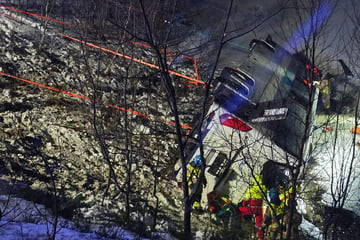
(261, 110)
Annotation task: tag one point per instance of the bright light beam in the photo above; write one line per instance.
(308, 28)
(313, 23)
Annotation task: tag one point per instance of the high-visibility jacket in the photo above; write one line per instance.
(284, 198)
(286, 195)
(325, 90)
(193, 173)
(256, 190)
(323, 86)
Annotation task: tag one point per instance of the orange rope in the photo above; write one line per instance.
(88, 99)
(192, 80)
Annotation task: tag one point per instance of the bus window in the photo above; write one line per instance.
(219, 164)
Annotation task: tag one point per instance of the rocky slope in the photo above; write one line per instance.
(48, 142)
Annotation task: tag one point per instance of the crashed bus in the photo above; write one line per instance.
(261, 110)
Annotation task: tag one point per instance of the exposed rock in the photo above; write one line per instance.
(52, 139)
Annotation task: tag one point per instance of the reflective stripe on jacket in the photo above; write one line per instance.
(193, 174)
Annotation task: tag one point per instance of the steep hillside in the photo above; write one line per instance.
(85, 132)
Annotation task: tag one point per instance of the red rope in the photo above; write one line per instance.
(191, 79)
(88, 99)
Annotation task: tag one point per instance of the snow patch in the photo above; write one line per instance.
(310, 229)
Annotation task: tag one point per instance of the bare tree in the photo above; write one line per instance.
(121, 140)
(344, 150)
(168, 84)
(48, 8)
(158, 43)
(321, 43)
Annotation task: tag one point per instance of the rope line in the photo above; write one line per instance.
(88, 99)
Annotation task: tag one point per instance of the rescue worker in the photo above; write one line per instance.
(216, 202)
(277, 216)
(253, 203)
(285, 196)
(325, 91)
(193, 174)
(226, 212)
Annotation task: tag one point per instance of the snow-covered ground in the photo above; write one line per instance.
(338, 161)
(23, 230)
(10, 230)
(309, 229)
(24, 220)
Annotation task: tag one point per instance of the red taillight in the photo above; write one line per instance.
(313, 69)
(307, 83)
(231, 121)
